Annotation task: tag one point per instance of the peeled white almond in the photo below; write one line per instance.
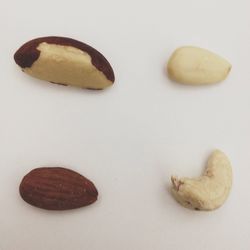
(197, 66)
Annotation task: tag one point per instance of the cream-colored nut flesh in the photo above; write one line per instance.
(197, 66)
(67, 65)
(209, 191)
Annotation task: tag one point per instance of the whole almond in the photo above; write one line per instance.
(197, 66)
(57, 188)
(65, 61)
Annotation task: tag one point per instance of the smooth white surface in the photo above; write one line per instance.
(130, 138)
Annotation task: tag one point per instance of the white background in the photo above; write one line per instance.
(129, 138)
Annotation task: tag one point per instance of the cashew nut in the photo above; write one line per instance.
(209, 191)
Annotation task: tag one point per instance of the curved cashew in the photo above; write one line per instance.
(209, 191)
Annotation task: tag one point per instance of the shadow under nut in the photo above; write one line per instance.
(65, 61)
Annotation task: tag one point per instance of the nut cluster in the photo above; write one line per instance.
(67, 61)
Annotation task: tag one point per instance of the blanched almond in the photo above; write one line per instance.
(197, 66)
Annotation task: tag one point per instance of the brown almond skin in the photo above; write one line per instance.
(56, 188)
(27, 54)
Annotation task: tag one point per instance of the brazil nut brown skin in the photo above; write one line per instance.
(29, 54)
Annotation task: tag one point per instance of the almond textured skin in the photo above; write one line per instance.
(65, 61)
(57, 188)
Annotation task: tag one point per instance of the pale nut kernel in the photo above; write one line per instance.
(65, 61)
(197, 66)
(209, 191)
